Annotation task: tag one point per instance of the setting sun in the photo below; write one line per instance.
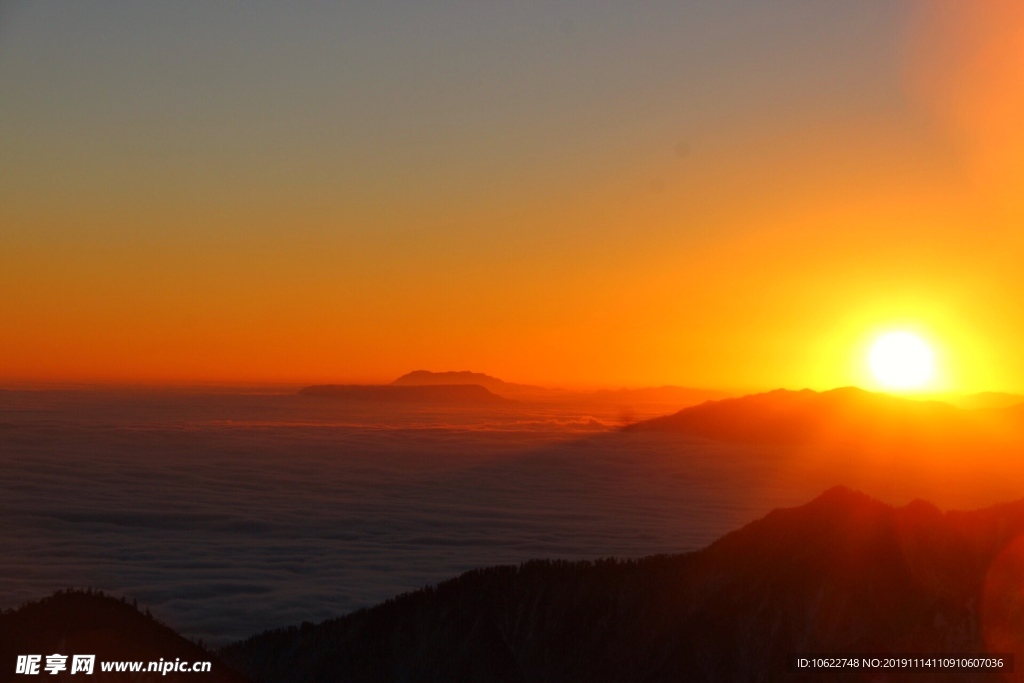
(901, 360)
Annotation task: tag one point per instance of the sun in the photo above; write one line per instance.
(902, 361)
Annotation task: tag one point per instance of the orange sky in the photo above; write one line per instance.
(559, 196)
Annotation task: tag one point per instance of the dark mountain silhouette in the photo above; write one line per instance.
(844, 573)
(493, 384)
(441, 394)
(847, 416)
(78, 622)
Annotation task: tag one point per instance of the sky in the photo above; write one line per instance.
(721, 194)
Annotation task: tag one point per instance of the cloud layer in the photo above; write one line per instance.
(226, 526)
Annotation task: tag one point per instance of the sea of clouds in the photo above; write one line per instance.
(228, 515)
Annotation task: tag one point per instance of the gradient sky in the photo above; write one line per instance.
(724, 194)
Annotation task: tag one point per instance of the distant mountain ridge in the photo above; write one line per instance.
(847, 415)
(985, 399)
(844, 573)
(679, 396)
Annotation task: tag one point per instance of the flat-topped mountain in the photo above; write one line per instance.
(86, 623)
(849, 416)
(844, 573)
(446, 394)
(493, 384)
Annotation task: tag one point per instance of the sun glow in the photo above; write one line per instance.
(902, 361)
